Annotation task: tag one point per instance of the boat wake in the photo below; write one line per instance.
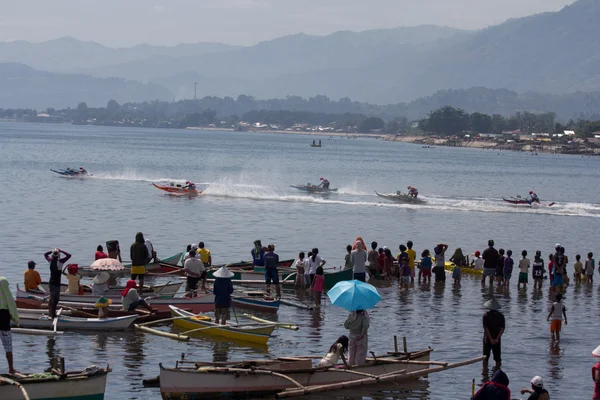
(133, 176)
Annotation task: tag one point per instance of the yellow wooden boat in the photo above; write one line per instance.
(253, 333)
(448, 266)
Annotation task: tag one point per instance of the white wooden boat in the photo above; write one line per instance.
(68, 323)
(89, 384)
(245, 379)
(204, 302)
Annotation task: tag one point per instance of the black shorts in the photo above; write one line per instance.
(135, 276)
(489, 348)
(192, 283)
(271, 274)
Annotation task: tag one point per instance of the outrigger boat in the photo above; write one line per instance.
(401, 197)
(259, 301)
(178, 189)
(168, 289)
(89, 383)
(291, 376)
(314, 189)
(521, 201)
(448, 266)
(204, 302)
(66, 323)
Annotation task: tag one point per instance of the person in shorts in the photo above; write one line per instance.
(139, 256)
(538, 270)
(8, 312)
(223, 288)
(524, 264)
(493, 329)
(508, 267)
(490, 261)
(425, 267)
(557, 312)
(404, 272)
(195, 271)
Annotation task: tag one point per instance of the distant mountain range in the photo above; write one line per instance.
(554, 52)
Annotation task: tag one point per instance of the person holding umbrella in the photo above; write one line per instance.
(356, 297)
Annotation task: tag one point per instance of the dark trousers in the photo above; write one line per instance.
(360, 276)
(492, 348)
(54, 298)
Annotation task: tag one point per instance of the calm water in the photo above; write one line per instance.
(248, 197)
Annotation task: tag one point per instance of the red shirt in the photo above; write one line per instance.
(99, 255)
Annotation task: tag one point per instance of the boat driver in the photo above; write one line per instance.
(324, 183)
(533, 198)
(413, 192)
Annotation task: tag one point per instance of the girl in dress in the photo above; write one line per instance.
(337, 350)
(318, 285)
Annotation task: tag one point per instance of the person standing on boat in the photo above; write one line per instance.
(271, 273)
(440, 262)
(139, 256)
(258, 255)
(413, 191)
(194, 271)
(31, 278)
(114, 250)
(8, 312)
(223, 288)
(204, 254)
(358, 258)
(490, 260)
(314, 261)
(56, 271)
(358, 324)
(301, 269)
(324, 183)
(493, 329)
(412, 256)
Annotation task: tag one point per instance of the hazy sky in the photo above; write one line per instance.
(126, 22)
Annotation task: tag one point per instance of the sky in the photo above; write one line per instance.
(121, 23)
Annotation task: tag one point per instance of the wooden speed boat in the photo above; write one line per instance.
(178, 189)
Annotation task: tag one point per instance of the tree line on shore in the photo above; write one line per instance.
(444, 121)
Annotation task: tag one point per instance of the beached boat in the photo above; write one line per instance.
(168, 289)
(401, 198)
(155, 267)
(204, 302)
(252, 333)
(67, 323)
(178, 189)
(88, 384)
(290, 376)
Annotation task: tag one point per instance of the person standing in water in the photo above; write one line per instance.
(490, 261)
(440, 262)
(508, 268)
(493, 329)
(56, 271)
(557, 312)
(538, 270)
(358, 258)
(412, 256)
(314, 261)
(524, 264)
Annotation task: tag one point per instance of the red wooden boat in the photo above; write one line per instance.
(178, 189)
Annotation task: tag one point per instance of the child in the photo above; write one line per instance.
(425, 266)
(589, 268)
(73, 279)
(404, 272)
(336, 351)
(523, 270)
(538, 270)
(301, 270)
(557, 312)
(478, 261)
(508, 267)
(307, 282)
(577, 269)
(551, 269)
(102, 306)
(318, 285)
(500, 268)
(347, 261)
(456, 274)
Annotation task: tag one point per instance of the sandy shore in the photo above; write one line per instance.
(334, 134)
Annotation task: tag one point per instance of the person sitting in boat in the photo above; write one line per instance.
(495, 389)
(337, 350)
(32, 278)
(102, 306)
(82, 171)
(413, 191)
(324, 183)
(190, 185)
(533, 198)
(130, 298)
(100, 284)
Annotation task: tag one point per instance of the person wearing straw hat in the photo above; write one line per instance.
(102, 306)
(537, 390)
(223, 288)
(8, 312)
(493, 328)
(100, 284)
(596, 374)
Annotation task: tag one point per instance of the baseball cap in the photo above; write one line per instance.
(31, 264)
(537, 382)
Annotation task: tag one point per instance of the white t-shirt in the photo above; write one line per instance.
(312, 265)
(358, 259)
(331, 359)
(558, 311)
(303, 264)
(194, 265)
(478, 263)
(132, 295)
(524, 265)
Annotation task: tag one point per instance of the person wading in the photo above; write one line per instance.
(493, 329)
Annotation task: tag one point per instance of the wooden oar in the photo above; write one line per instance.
(265, 321)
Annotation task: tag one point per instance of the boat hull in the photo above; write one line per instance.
(401, 198)
(258, 304)
(178, 190)
(77, 323)
(448, 266)
(89, 388)
(191, 384)
(314, 189)
(252, 334)
(155, 267)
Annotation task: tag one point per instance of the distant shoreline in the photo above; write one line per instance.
(335, 134)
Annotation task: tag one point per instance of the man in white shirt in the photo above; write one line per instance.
(194, 271)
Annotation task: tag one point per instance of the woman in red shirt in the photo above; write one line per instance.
(596, 375)
(100, 253)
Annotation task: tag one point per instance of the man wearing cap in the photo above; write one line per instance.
(223, 288)
(32, 278)
(493, 328)
(271, 273)
(537, 390)
(490, 261)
